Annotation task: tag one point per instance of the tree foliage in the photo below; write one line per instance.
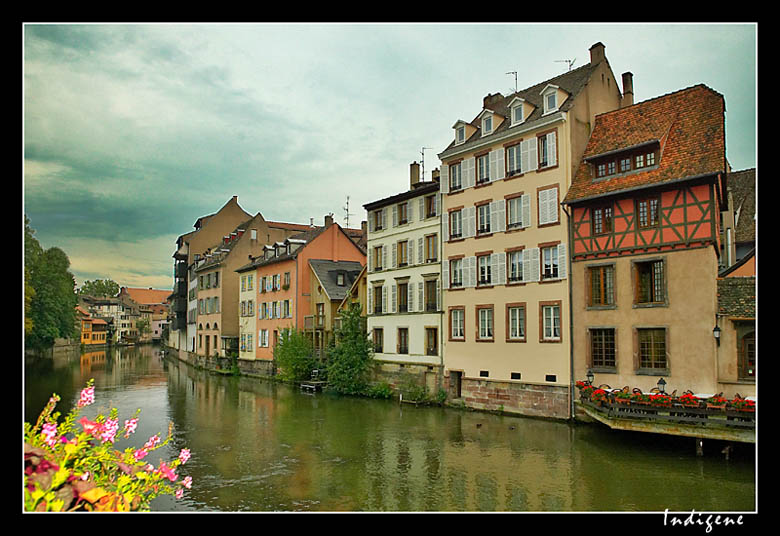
(294, 356)
(100, 288)
(50, 290)
(349, 361)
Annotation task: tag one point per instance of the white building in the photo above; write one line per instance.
(404, 274)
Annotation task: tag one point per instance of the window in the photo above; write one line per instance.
(431, 341)
(460, 134)
(483, 168)
(550, 262)
(403, 213)
(516, 322)
(430, 206)
(485, 316)
(431, 295)
(625, 164)
(747, 356)
(378, 299)
(456, 273)
(286, 279)
(483, 219)
(378, 220)
(611, 167)
(286, 310)
(639, 161)
(513, 159)
(647, 212)
(602, 285)
(551, 322)
(403, 340)
(456, 224)
(602, 220)
(650, 282)
(456, 179)
(379, 340)
(548, 206)
(545, 149)
(602, 347)
(517, 113)
(550, 102)
(652, 348)
(456, 323)
(402, 249)
(487, 125)
(403, 297)
(650, 159)
(431, 253)
(515, 260)
(514, 212)
(263, 338)
(378, 250)
(483, 264)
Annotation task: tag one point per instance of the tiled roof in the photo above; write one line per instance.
(737, 297)
(689, 125)
(146, 296)
(327, 272)
(742, 186)
(572, 82)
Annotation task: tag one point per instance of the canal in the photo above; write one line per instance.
(260, 446)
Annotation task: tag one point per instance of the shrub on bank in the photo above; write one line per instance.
(66, 469)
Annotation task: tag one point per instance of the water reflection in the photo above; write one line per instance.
(258, 446)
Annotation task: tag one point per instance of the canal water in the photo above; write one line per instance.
(259, 446)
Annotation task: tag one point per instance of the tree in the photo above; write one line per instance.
(100, 288)
(294, 355)
(350, 360)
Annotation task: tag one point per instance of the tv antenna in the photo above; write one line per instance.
(347, 214)
(570, 62)
(422, 163)
(514, 73)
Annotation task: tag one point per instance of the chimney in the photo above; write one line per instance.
(628, 89)
(364, 226)
(596, 53)
(414, 174)
(435, 174)
(328, 220)
(490, 99)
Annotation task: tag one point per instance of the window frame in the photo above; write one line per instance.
(522, 322)
(457, 311)
(543, 325)
(489, 324)
(639, 268)
(606, 359)
(607, 288)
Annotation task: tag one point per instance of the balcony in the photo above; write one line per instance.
(313, 322)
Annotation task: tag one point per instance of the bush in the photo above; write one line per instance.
(349, 360)
(67, 470)
(293, 356)
(380, 390)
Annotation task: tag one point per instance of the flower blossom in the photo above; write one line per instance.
(108, 431)
(179, 493)
(87, 396)
(187, 482)
(139, 454)
(153, 442)
(168, 472)
(90, 427)
(130, 426)
(49, 431)
(184, 455)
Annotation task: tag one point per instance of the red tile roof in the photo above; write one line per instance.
(689, 125)
(147, 296)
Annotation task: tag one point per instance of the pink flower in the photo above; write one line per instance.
(179, 493)
(49, 431)
(184, 455)
(139, 454)
(187, 482)
(130, 426)
(87, 396)
(168, 472)
(108, 430)
(153, 442)
(90, 427)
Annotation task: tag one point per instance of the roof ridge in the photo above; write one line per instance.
(688, 89)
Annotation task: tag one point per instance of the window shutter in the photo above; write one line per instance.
(500, 211)
(368, 260)
(445, 228)
(469, 222)
(421, 294)
(445, 273)
(493, 268)
(562, 261)
(526, 210)
(470, 272)
(409, 212)
(530, 155)
(551, 149)
(395, 215)
(422, 208)
(545, 215)
(444, 179)
(393, 299)
(410, 297)
(370, 300)
(410, 252)
(438, 294)
(420, 250)
(499, 274)
(395, 255)
(384, 257)
(468, 173)
(497, 164)
(384, 299)
(531, 264)
(436, 204)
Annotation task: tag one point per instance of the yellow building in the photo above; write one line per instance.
(504, 234)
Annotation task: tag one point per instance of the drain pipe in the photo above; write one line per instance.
(571, 315)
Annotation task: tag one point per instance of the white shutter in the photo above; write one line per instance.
(497, 164)
(384, 298)
(393, 299)
(469, 222)
(544, 207)
(499, 209)
(562, 261)
(422, 208)
(553, 207)
(436, 204)
(531, 264)
(409, 252)
(409, 212)
(444, 179)
(370, 300)
(420, 250)
(526, 210)
(368, 260)
(395, 215)
(395, 255)
(410, 297)
(445, 227)
(493, 268)
(438, 294)
(445, 273)
(500, 275)
(470, 272)
(467, 168)
(420, 294)
(551, 149)
(384, 257)
(529, 152)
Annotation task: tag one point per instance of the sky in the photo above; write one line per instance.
(131, 132)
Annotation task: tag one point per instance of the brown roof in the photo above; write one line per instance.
(737, 297)
(688, 125)
(742, 186)
(147, 296)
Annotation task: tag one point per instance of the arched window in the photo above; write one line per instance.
(747, 356)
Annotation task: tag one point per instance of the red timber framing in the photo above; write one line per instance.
(645, 220)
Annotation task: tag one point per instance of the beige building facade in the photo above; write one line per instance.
(505, 241)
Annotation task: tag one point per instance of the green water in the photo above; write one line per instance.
(258, 446)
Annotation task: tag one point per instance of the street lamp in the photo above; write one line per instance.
(661, 385)
(716, 334)
(590, 377)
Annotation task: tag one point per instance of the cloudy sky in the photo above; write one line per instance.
(132, 132)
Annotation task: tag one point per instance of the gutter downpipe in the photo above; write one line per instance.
(571, 316)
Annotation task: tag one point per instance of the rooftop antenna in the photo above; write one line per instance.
(347, 214)
(422, 162)
(514, 73)
(570, 62)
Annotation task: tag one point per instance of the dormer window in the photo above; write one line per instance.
(550, 98)
(487, 125)
(516, 112)
(460, 134)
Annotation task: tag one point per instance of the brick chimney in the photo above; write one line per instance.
(628, 90)
(328, 220)
(490, 99)
(597, 53)
(414, 174)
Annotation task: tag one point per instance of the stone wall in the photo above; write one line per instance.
(549, 401)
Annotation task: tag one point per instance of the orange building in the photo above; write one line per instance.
(283, 281)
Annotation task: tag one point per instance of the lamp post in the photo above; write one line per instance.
(716, 334)
(590, 377)
(661, 385)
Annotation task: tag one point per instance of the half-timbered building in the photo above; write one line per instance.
(645, 244)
